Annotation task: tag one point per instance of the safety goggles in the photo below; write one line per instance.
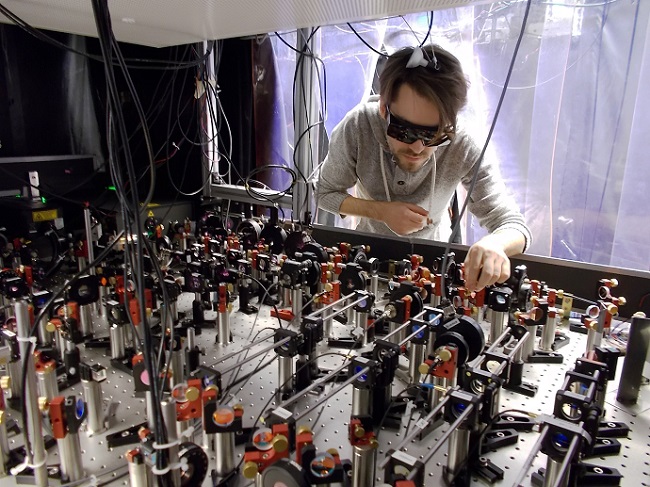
(408, 133)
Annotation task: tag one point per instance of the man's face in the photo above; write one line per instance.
(414, 109)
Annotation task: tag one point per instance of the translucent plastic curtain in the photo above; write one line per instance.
(564, 134)
(569, 140)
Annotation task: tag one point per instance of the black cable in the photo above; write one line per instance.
(390, 405)
(244, 378)
(267, 293)
(306, 51)
(262, 197)
(364, 41)
(141, 116)
(178, 190)
(428, 31)
(290, 46)
(108, 46)
(477, 445)
(210, 168)
(479, 161)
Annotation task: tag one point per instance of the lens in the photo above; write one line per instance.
(536, 314)
(418, 328)
(362, 377)
(80, 408)
(178, 392)
(561, 441)
(477, 386)
(83, 291)
(579, 388)
(263, 439)
(492, 366)
(571, 412)
(459, 408)
(603, 292)
(593, 311)
(223, 416)
(322, 466)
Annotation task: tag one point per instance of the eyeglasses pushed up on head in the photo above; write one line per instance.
(408, 133)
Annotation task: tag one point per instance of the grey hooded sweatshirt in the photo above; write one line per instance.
(357, 149)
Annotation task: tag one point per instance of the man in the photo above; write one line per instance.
(406, 157)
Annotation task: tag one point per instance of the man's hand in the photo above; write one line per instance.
(486, 263)
(402, 218)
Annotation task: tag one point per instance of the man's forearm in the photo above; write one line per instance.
(512, 240)
(359, 207)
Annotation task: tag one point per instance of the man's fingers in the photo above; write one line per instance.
(489, 272)
(505, 271)
(417, 209)
(472, 268)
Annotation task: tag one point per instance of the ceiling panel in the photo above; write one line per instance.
(172, 22)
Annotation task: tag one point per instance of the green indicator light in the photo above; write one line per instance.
(111, 188)
(19, 195)
(43, 200)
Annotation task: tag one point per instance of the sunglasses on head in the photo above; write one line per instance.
(408, 133)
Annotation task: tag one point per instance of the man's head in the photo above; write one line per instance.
(421, 102)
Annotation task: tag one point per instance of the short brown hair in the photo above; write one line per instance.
(442, 81)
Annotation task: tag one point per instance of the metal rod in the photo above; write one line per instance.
(296, 303)
(496, 342)
(168, 410)
(37, 456)
(468, 410)
(416, 358)
(457, 453)
(412, 335)
(570, 454)
(4, 444)
(191, 338)
(346, 307)
(329, 306)
(239, 351)
(520, 343)
(397, 330)
(361, 401)
(93, 396)
(638, 345)
(548, 334)
(223, 327)
(224, 453)
(497, 323)
(331, 393)
(306, 110)
(500, 368)
(256, 354)
(531, 457)
(312, 386)
(416, 431)
(89, 239)
(363, 465)
(404, 325)
(72, 469)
